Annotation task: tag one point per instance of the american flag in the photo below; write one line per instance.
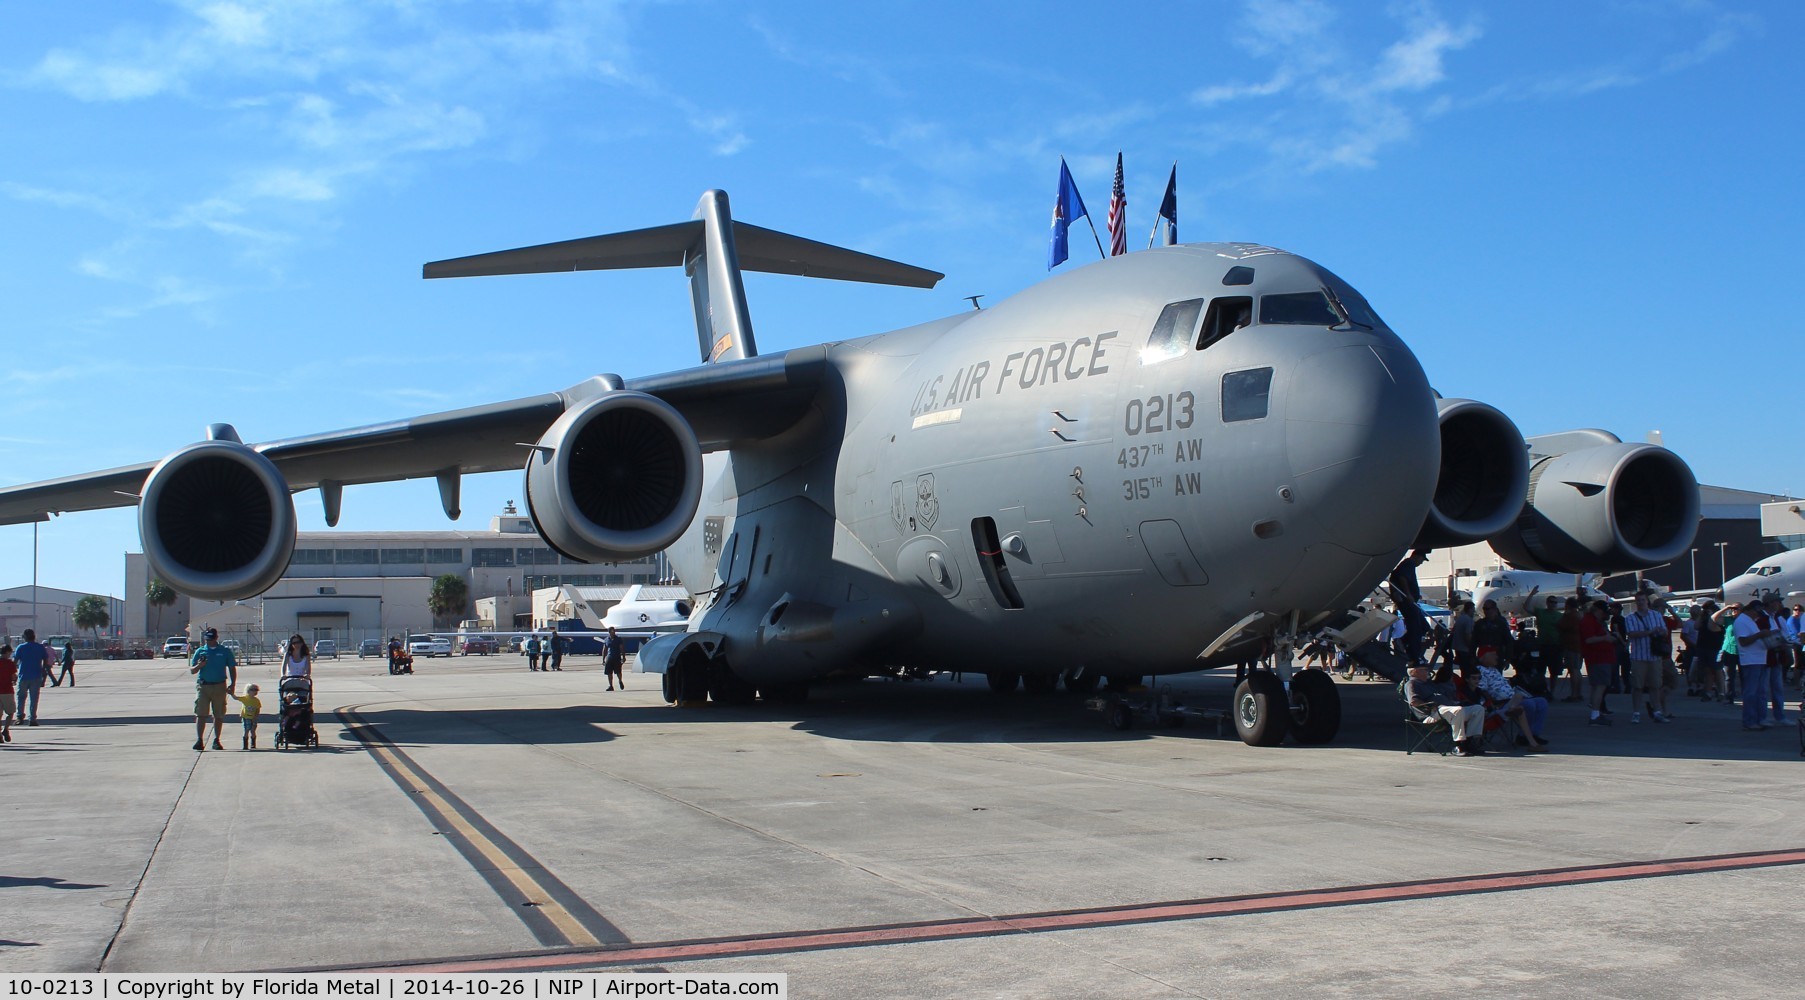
(1118, 215)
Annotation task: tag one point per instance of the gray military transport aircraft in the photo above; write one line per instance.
(1153, 464)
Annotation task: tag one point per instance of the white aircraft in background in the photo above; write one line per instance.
(1782, 573)
(635, 615)
(1516, 590)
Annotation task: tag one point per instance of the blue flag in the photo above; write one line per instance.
(1068, 208)
(1168, 213)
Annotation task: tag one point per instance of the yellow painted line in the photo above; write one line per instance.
(520, 878)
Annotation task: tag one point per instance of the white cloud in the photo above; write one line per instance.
(1727, 29)
(1341, 108)
(290, 184)
(1222, 93)
(87, 80)
(843, 65)
(315, 102)
(1327, 104)
(1720, 32)
(1415, 63)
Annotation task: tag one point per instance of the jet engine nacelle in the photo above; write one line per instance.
(1604, 509)
(1484, 475)
(217, 521)
(616, 478)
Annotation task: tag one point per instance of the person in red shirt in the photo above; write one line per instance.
(9, 675)
(1599, 648)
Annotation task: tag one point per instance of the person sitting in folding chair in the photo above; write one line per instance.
(1438, 698)
(1529, 712)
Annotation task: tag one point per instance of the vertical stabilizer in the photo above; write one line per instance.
(723, 323)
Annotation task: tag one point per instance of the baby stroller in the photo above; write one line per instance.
(294, 723)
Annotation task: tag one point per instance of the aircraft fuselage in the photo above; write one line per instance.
(1067, 479)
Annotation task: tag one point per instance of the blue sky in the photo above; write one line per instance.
(217, 211)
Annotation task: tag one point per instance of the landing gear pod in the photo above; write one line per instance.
(217, 521)
(614, 479)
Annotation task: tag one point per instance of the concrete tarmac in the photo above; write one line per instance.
(893, 839)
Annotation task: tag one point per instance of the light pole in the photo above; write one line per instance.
(1723, 571)
(34, 578)
(1692, 555)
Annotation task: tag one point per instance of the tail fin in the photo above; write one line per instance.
(713, 250)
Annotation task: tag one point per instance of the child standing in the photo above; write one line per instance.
(249, 707)
(9, 673)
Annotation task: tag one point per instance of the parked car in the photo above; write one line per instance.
(428, 645)
(481, 645)
(371, 647)
(175, 645)
(324, 648)
(517, 644)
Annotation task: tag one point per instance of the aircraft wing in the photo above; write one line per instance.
(725, 403)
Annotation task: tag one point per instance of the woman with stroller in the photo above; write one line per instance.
(298, 660)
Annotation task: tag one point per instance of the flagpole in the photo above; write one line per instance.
(1094, 236)
(1157, 217)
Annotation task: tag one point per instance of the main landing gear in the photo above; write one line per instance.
(696, 679)
(1266, 709)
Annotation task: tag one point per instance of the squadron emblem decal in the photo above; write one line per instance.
(927, 505)
(899, 509)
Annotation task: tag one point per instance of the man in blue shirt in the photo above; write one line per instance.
(215, 672)
(614, 656)
(33, 658)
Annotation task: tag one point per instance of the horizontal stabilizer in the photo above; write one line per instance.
(674, 245)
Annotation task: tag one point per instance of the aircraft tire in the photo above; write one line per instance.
(1120, 715)
(1003, 682)
(1260, 710)
(785, 694)
(727, 688)
(1315, 707)
(1081, 680)
(669, 678)
(692, 682)
(1040, 683)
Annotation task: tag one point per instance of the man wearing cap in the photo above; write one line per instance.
(1599, 648)
(215, 672)
(1752, 629)
(1779, 657)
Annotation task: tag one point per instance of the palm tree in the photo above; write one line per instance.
(160, 595)
(91, 614)
(448, 598)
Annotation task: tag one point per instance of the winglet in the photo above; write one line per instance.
(713, 249)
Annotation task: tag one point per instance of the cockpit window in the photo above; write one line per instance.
(1766, 570)
(1172, 332)
(1358, 310)
(1246, 395)
(1298, 309)
(1227, 314)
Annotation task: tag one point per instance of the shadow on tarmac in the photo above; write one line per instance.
(966, 712)
(876, 710)
(19, 882)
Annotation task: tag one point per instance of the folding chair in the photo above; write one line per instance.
(1501, 730)
(1424, 732)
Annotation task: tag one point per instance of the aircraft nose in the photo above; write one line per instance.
(1363, 443)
